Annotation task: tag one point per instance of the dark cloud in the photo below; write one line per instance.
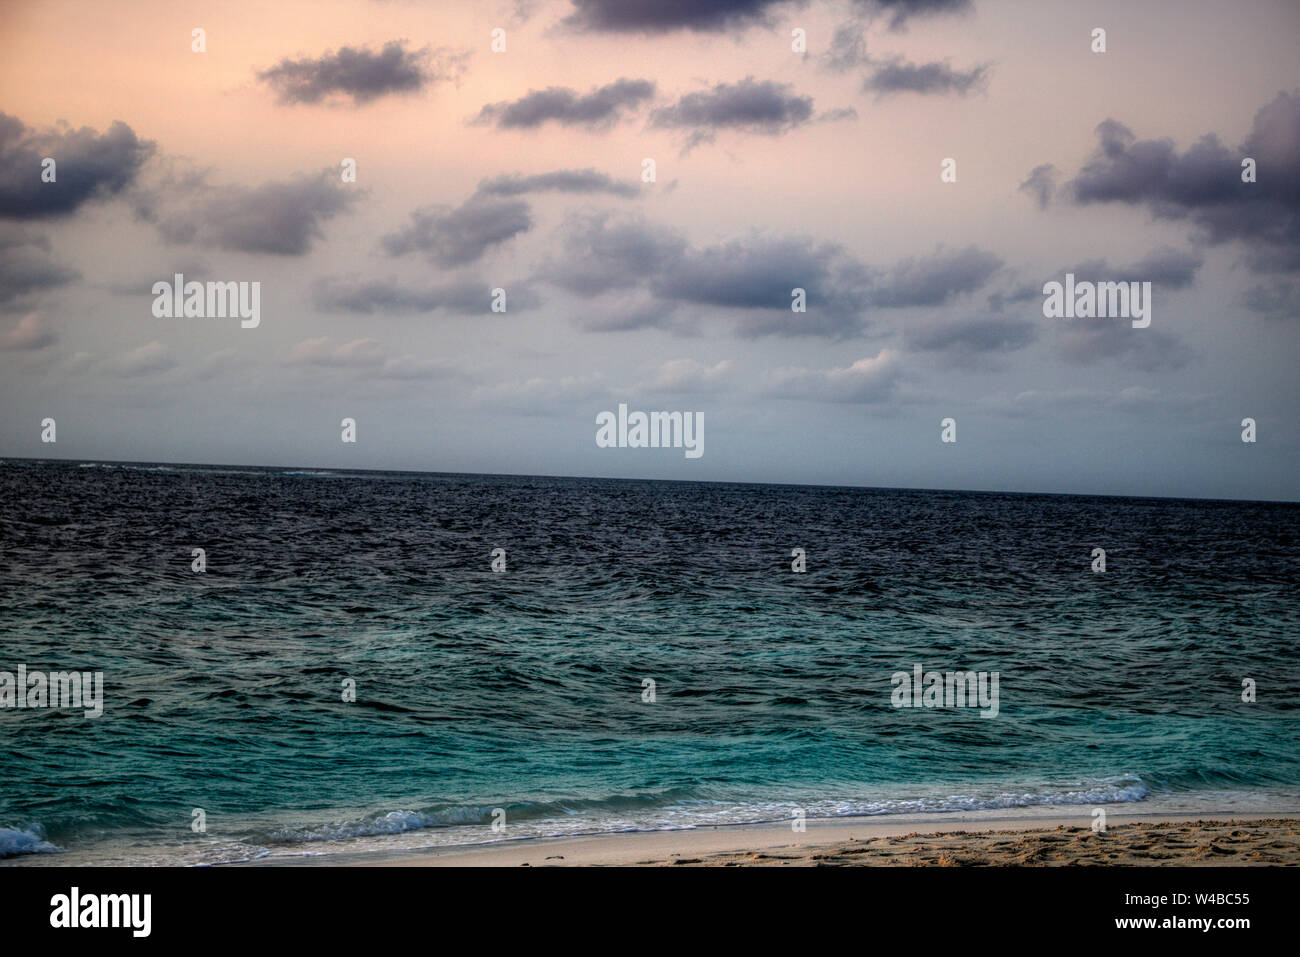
(661, 16)
(936, 279)
(963, 340)
(361, 74)
(600, 253)
(26, 270)
(900, 11)
(648, 274)
(599, 109)
(283, 218)
(1041, 184)
(1203, 185)
(1089, 341)
(454, 236)
(560, 181)
(1279, 299)
(848, 49)
(391, 297)
(1164, 267)
(639, 310)
(1001, 299)
(842, 113)
(757, 274)
(899, 76)
(655, 269)
(1124, 169)
(749, 106)
(88, 166)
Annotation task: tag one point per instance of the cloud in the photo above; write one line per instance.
(215, 363)
(149, 359)
(758, 274)
(1089, 341)
(833, 116)
(749, 106)
(871, 379)
(847, 50)
(142, 282)
(542, 396)
(1163, 267)
(599, 109)
(963, 341)
(1203, 185)
(1025, 293)
(559, 181)
(368, 356)
(281, 218)
(600, 253)
(1133, 398)
(687, 376)
(362, 75)
(639, 309)
(899, 76)
(391, 297)
(409, 367)
(936, 279)
(28, 335)
(358, 354)
(662, 16)
(1041, 184)
(454, 236)
(901, 11)
(78, 363)
(1279, 299)
(26, 270)
(88, 166)
(626, 259)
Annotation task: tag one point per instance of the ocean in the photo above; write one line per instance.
(647, 659)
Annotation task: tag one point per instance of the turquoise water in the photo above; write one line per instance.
(519, 695)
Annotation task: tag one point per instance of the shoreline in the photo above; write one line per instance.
(1205, 838)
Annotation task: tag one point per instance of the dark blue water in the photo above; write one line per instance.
(523, 690)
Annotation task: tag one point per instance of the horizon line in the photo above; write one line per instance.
(619, 478)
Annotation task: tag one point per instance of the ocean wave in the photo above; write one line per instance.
(682, 809)
(127, 468)
(31, 840)
(1125, 789)
(401, 821)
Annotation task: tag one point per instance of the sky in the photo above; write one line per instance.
(792, 145)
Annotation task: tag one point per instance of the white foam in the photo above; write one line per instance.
(15, 841)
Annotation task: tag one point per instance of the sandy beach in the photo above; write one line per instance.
(976, 840)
